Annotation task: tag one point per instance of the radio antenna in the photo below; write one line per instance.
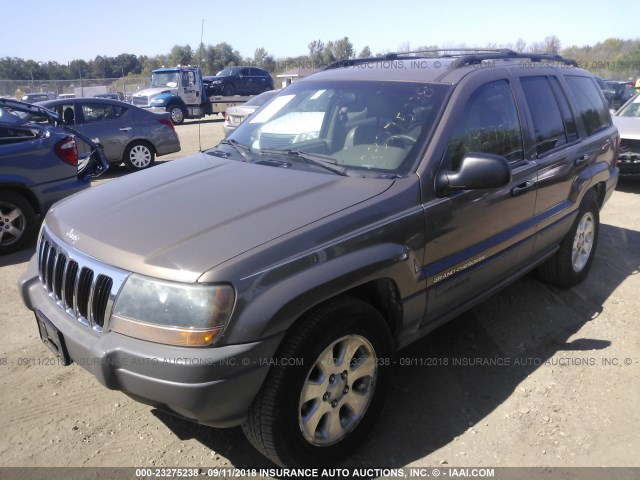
(202, 89)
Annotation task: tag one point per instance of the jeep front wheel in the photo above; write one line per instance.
(326, 386)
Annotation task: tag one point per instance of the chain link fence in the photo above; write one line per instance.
(82, 87)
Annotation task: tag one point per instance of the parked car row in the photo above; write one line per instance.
(627, 120)
(128, 134)
(622, 91)
(39, 165)
(50, 149)
(41, 97)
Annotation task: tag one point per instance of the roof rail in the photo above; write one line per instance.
(463, 57)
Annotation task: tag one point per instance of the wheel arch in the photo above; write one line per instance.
(25, 192)
(374, 275)
(135, 141)
(601, 190)
(175, 100)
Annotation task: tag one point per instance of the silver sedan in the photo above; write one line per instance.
(127, 133)
(234, 116)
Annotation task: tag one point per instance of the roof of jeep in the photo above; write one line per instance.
(424, 66)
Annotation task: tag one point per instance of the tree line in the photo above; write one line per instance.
(613, 58)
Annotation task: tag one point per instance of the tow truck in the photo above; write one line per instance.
(182, 92)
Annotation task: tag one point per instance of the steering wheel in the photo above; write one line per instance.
(404, 140)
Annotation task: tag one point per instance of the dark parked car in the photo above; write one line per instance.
(268, 281)
(234, 116)
(112, 95)
(127, 133)
(627, 119)
(239, 81)
(607, 91)
(623, 91)
(38, 166)
(35, 97)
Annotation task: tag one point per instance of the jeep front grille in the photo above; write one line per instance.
(84, 288)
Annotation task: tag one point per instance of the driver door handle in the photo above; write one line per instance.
(125, 129)
(580, 160)
(522, 188)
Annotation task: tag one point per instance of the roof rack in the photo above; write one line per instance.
(463, 57)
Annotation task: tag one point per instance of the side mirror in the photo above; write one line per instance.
(477, 171)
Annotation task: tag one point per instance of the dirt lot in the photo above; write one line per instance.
(565, 391)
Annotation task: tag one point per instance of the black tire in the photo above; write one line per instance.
(290, 419)
(138, 156)
(571, 264)
(228, 90)
(177, 114)
(18, 224)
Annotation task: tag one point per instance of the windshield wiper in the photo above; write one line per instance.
(243, 150)
(317, 160)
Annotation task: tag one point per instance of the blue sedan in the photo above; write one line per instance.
(39, 165)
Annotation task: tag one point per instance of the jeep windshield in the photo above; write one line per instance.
(361, 127)
(165, 79)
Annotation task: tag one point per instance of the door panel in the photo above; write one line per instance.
(476, 238)
(111, 126)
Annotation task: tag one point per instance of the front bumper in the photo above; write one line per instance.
(212, 386)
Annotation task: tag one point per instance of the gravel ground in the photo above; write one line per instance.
(536, 376)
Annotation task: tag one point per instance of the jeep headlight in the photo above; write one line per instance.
(171, 313)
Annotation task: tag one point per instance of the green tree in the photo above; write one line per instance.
(316, 52)
(221, 56)
(262, 59)
(180, 55)
(126, 63)
(365, 52)
(102, 67)
(343, 49)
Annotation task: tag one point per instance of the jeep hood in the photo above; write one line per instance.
(178, 220)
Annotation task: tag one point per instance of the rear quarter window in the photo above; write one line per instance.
(590, 107)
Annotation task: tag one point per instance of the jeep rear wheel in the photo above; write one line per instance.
(571, 264)
(326, 387)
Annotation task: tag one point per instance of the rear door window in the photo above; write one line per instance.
(93, 112)
(548, 124)
(590, 107)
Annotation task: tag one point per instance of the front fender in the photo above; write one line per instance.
(164, 100)
(265, 312)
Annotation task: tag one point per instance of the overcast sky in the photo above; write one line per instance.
(64, 30)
